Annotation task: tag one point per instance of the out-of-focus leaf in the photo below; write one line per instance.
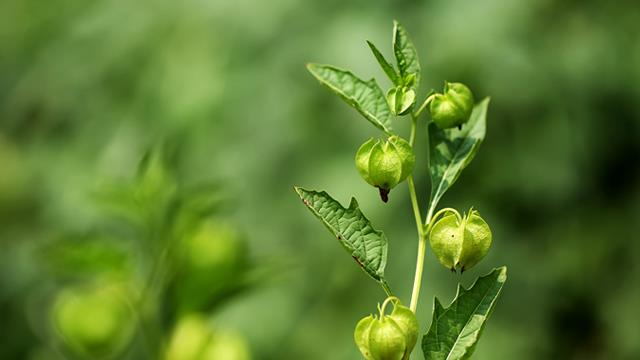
(212, 264)
(455, 330)
(364, 96)
(86, 256)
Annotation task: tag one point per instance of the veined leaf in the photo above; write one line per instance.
(455, 331)
(364, 96)
(452, 150)
(367, 246)
(384, 64)
(406, 53)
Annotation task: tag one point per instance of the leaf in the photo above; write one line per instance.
(86, 255)
(367, 246)
(364, 96)
(384, 64)
(452, 150)
(406, 53)
(455, 330)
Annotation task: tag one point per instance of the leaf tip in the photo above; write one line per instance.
(502, 274)
(437, 307)
(311, 67)
(461, 290)
(353, 204)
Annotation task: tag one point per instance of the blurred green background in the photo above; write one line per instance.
(87, 88)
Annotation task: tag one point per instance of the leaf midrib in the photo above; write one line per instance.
(448, 169)
(384, 127)
(467, 323)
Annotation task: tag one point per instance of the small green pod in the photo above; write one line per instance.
(446, 238)
(361, 336)
(477, 240)
(362, 159)
(460, 243)
(407, 322)
(405, 152)
(94, 321)
(386, 340)
(385, 164)
(387, 337)
(401, 99)
(193, 338)
(453, 107)
(462, 96)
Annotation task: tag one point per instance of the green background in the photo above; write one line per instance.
(87, 87)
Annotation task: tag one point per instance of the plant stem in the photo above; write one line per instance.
(425, 103)
(422, 247)
(386, 288)
(412, 136)
(422, 234)
(415, 206)
(417, 280)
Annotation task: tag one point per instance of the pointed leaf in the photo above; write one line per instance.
(455, 331)
(367, 246)
(452, 150)
(364, 96)
(384, 64)
(406, 53)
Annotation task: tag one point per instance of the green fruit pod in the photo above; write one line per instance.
(386, 340)
(401, 99)
(387, 337)
(93, 321)
(407, 322)
(194, 339)
(452, 108)
(384, 164)
(460, 243)
(362, 159)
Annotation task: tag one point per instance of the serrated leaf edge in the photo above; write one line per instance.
(353, 205)
(439, 310)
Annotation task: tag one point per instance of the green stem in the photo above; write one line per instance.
(412, 136)
(425, 103)
(381, 309)
(417, 280)
(386, 288)
(415, 206)
(423, 228)
(422, 247)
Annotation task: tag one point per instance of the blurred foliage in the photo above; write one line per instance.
(87, 87)
(162, 253)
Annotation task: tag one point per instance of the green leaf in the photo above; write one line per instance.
(406, 53)
(87, 255)
(385, 65)
(455, 330)
(364, 96)
(452, 150)
(367, 246)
